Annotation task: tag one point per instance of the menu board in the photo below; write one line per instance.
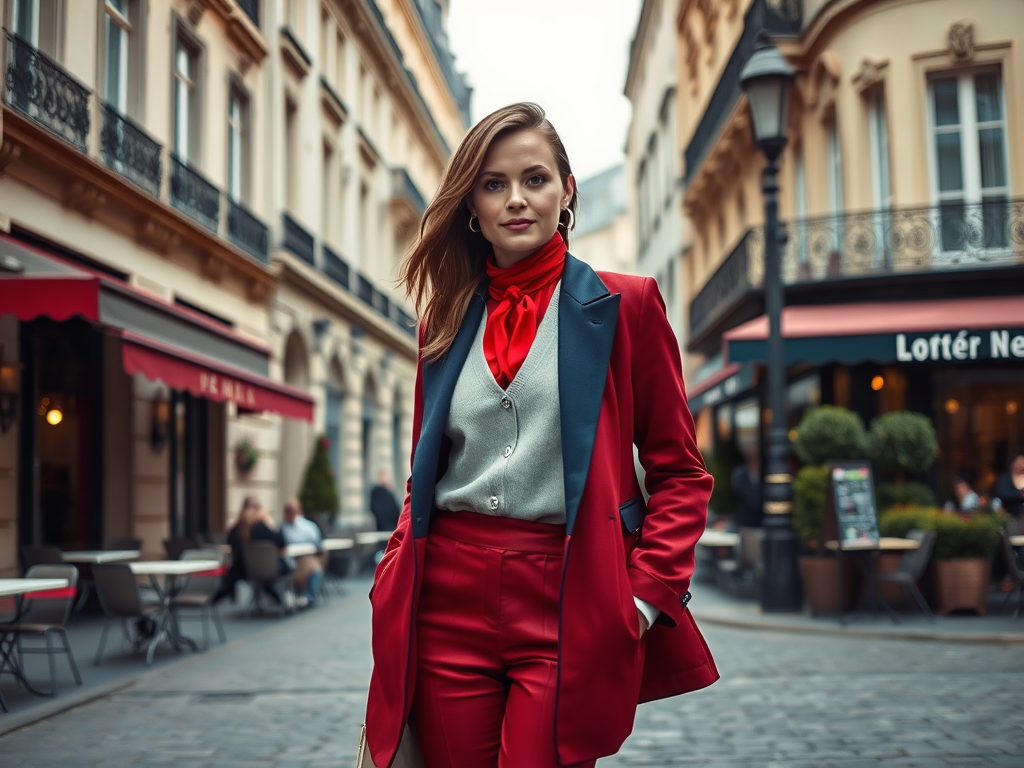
(852, 498)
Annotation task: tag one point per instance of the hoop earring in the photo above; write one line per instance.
(475, 231)
(571, 224)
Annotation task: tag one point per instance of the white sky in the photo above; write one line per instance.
(569, 56)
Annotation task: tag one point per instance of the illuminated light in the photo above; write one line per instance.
(877, 383)
(44, 402)
(793, 435)
(54, 416)
(952, 405)
(1011, 407)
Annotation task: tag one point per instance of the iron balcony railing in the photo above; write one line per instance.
(402, 186)
(298, 240)
(946, 237)
(129, 150)
(251, 8)
(41, 89)
(247, 232)
(336, 268)
(193, 195)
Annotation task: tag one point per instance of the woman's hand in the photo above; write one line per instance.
(644, 626)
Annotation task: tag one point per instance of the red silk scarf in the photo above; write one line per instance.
(518, 296)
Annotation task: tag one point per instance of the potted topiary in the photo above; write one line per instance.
(904, 443)
(319, 494)
(828, 433)
(964, 548)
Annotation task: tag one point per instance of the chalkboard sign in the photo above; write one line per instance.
(851, 517)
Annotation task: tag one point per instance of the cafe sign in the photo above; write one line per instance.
(224, 388)
(960, 345)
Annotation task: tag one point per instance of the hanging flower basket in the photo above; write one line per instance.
(246, 456)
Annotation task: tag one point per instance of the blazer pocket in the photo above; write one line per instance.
(633, 513)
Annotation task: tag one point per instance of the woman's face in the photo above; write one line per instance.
(519, 196)
(1017, 467)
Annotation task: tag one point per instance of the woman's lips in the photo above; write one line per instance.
(517, 225)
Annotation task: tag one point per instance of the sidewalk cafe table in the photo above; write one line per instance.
(337, 545)
(373, 537)
(867, 566)
(1017, 541)
(12, 587)
(102, 556)
(715, 538)
(171, 570)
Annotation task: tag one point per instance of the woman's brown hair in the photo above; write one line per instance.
(448, 261)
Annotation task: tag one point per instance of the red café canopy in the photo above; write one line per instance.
(207, 378)
(179, 347)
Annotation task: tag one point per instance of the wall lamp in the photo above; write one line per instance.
(160, 422)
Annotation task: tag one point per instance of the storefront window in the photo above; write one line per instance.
(979, 419)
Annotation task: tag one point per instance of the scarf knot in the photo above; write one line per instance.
(522, 292)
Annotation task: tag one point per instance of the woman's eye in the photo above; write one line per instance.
(492, 186)
(536, 180)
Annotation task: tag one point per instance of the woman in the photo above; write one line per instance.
(254, 524)
(1009, 487)
(529, 599)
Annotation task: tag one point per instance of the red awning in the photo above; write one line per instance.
(715, 378)
(210, 379)
(59, 297)
(887, 317)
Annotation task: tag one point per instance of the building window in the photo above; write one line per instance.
(969, 139)
(878, 128)
(834, 167)
(238, 144)
(36, 22)
(186, 99)
(118, 33)
(290, 156)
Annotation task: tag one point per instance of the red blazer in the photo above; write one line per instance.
(620, 381)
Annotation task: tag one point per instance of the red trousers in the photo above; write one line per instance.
(487, 639)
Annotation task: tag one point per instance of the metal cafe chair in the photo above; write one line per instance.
(44, 615)
(1015, 570)
(198, 592)
(911, 568)
(121, 600)
(261, 571)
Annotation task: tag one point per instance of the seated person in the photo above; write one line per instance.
(309, 569)
(964, 497)
(254, 524)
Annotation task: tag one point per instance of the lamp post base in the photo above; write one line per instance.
(780, 585)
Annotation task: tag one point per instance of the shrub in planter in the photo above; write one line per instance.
(720, 464)
(319, 494)
(900, 520)
(810, 487)
(904, 442)
(831, 433)
(901, 494)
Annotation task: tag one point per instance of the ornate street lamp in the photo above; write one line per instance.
(767, 79)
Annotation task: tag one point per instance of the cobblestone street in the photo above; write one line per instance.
(292, 697)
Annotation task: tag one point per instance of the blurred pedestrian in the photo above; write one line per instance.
(746, 485)
(544, 597)
(964, 497)
(1009, 487)
(308, 569)
(383, 504)
(254, 524)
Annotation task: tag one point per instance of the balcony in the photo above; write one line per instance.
(298, 240)
(771, 16)
(950, 238)
(42, 90)
(193, 195)
(336, 268)
(129, 150)
(246, 231)
(407, 202)
(251, 8)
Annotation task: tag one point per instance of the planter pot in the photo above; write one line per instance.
(821, 584)
(961, 585)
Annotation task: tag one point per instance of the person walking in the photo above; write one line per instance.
(383, 504)
(530, 598)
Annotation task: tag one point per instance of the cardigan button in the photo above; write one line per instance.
(508, 451)
(494, 502)
(506, 403)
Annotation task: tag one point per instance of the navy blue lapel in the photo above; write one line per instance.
(439, 378)
(587, 315)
